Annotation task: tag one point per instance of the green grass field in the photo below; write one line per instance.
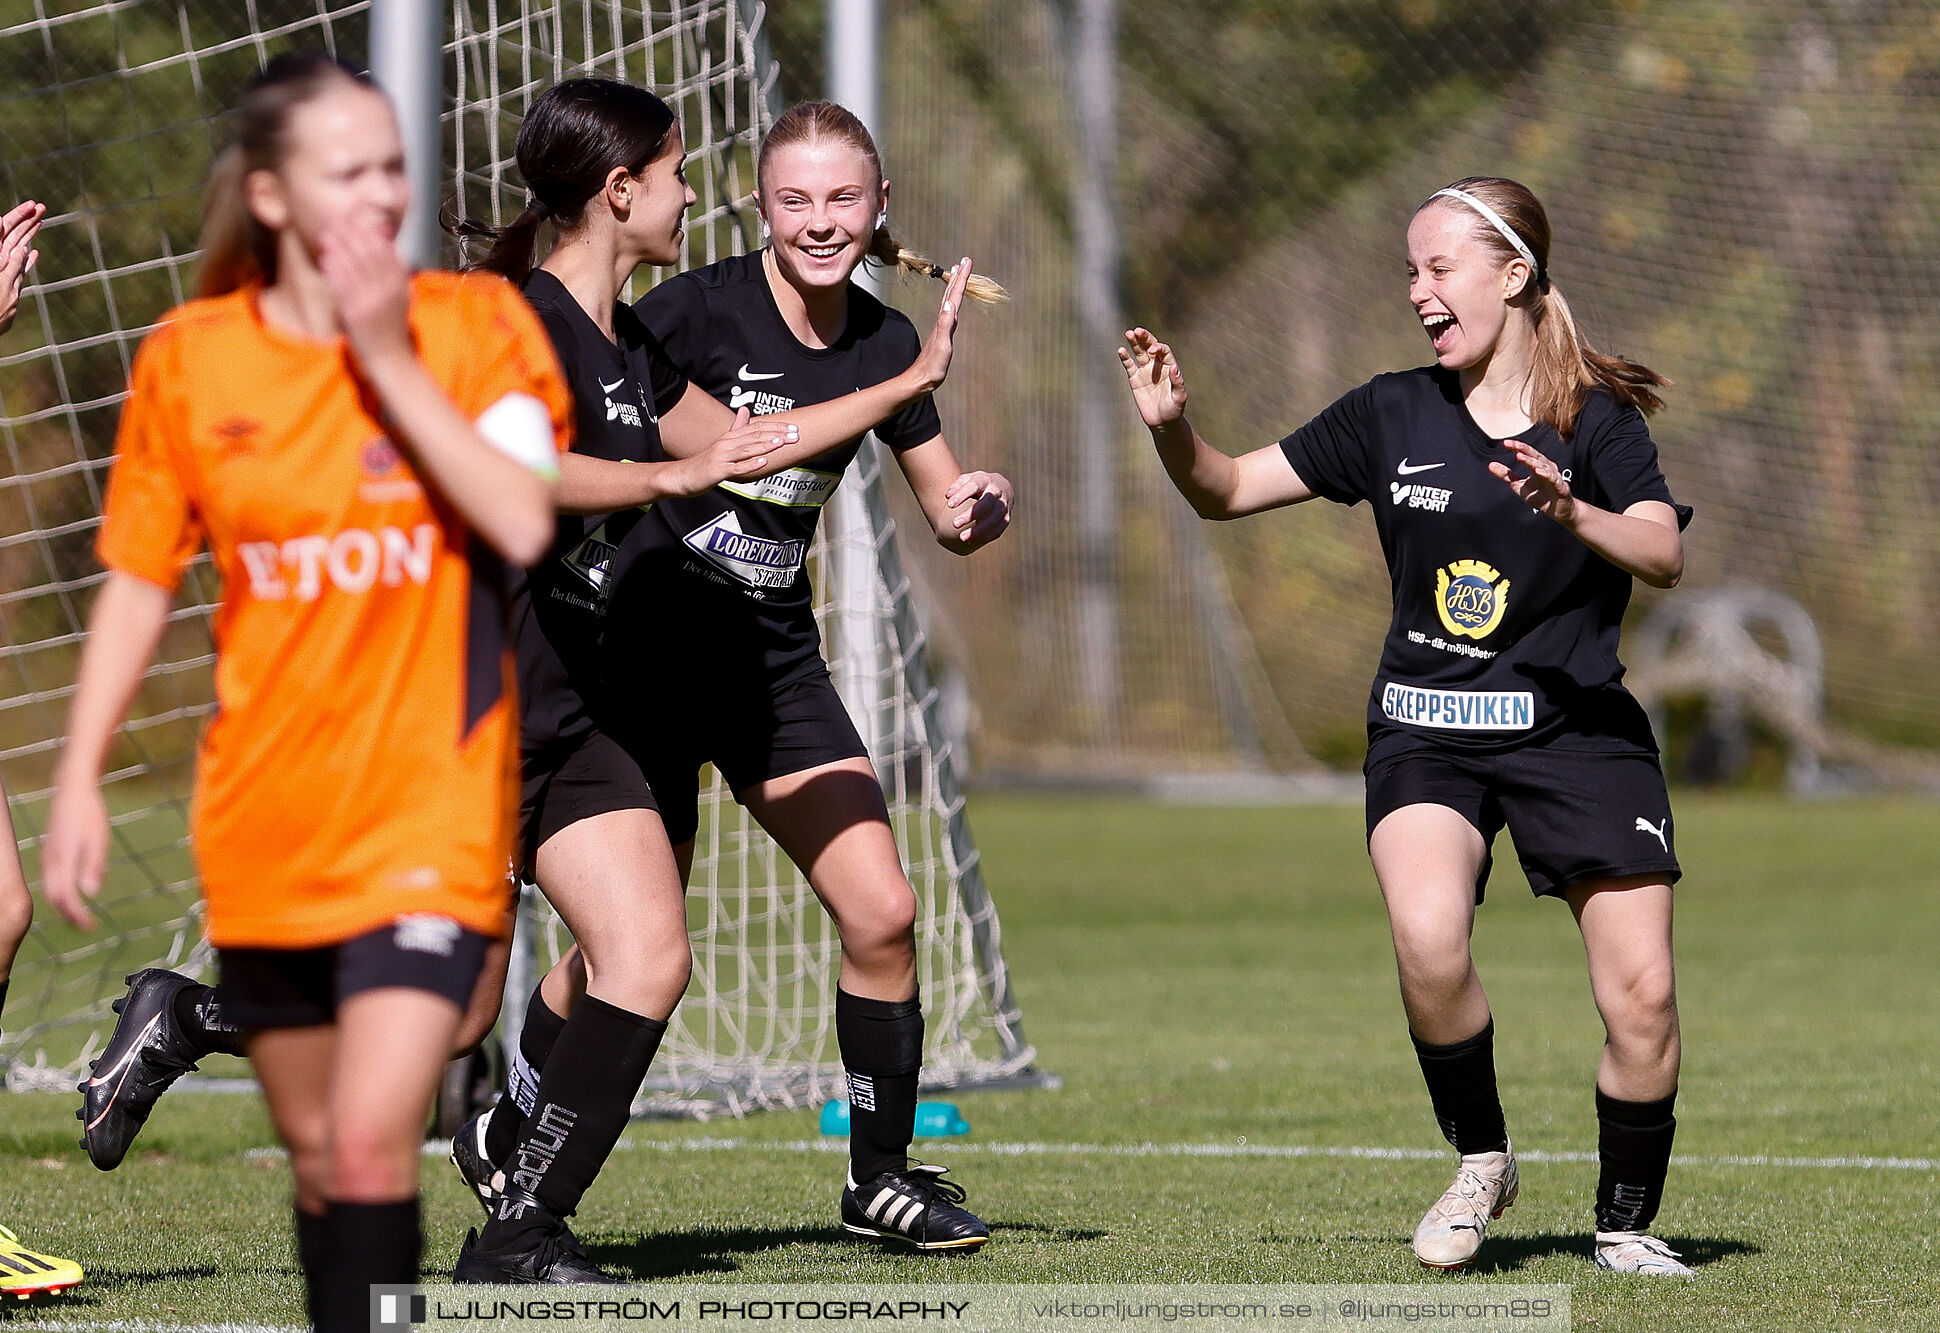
(1218, 983)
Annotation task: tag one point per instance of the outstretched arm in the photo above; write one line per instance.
(123, 632)
(601, 485)
(1643, 540)
(698, 418)
(1216, 485)
(966, 510)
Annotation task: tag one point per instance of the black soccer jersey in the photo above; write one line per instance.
(619, 392)
(729, 564)
(1505, 626)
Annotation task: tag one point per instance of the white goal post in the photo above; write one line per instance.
(115, 123)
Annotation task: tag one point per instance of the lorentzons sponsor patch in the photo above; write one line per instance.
(1459, 710)
(797, 488)
(760, 562)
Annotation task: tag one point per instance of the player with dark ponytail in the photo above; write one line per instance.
(1517, 494)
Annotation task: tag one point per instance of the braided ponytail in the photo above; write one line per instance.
(886, 250)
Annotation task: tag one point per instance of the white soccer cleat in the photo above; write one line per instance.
(1634, 1252)
(1485, 1185)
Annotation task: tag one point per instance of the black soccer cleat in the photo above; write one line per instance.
(474, 1167)
(554, 1258)
(914, 1207)
(146, 1052)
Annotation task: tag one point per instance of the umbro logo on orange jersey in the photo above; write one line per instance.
(237, 434)
(354, 560)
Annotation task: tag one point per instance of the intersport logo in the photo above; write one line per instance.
(353, 561)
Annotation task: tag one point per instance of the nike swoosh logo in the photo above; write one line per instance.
(608, 388)
(749, 376)
(132, 1054)
(1407, 471)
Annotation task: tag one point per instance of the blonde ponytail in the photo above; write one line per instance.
(886, 250)
(1568, 369)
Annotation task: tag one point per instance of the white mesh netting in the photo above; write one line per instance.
(111, 112)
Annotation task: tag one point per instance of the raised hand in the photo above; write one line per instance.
(17, 255)
(740, 454)
(372, 291)
(1545, 489)
(980, 506)
(933, 362)
(1158, 386)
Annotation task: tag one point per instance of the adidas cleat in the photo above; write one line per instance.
(24, 1273)
(555, 1258)
(146, 1053)
(914, 1207)
(474, 1166)
(1485, 1185)
(1634, 1252)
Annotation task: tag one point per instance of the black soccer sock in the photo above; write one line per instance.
(882, 1054)
(524, 1065)
(311, 1237)
(198, 1016)
(364, 1244)
(584, 1099)
(3, 992)
(1461, 1084)
(1633, 1146)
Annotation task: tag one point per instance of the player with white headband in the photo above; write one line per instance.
(1517, 493)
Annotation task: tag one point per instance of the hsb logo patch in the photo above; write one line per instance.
(1469, 599)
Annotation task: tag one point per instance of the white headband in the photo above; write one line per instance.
(1494, 219)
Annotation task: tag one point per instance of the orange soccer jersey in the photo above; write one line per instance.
(361, 762)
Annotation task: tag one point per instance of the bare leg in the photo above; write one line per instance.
(833, 823)
(1426, 858)
(1626, 925)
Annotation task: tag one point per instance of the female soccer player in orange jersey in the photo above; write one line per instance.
(364, 453)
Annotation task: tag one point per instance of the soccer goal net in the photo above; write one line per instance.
(112, 113)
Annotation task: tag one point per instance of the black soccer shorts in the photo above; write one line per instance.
(560, 788)
(1574, 815)
(300, 988)
(751, 735)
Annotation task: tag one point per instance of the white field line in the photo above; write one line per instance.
(439, 1147)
